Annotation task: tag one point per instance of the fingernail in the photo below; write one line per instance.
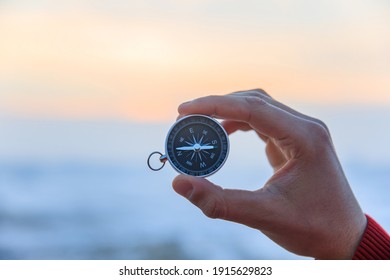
(184, 188)
(183, 105)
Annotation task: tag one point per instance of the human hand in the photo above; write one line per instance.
(307, 206)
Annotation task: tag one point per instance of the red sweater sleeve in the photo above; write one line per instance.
(375, 243)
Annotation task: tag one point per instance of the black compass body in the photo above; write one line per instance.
(197, 145)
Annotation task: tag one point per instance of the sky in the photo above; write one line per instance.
(138, 60)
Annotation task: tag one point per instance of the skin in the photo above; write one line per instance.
(307, 206)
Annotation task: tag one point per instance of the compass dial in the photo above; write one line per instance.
(197, 145)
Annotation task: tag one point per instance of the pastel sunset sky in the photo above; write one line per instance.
(139, 60)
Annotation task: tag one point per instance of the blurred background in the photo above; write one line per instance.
(88, 89)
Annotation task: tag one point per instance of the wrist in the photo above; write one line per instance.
(344, 240)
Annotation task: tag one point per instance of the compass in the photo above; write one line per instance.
(196, 145)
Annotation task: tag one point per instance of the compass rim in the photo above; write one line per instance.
(212, 120)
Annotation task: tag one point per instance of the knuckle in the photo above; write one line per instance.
(257, 92)
(253, 105)
(262, 93)
(213, 205)
(255, 101)
(213, 208)
(322, 124)
(319, 133)
(260, 90)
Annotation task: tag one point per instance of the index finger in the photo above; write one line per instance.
(256, 111)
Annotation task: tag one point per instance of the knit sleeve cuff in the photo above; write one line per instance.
(375, 243)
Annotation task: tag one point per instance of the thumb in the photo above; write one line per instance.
(215, 202)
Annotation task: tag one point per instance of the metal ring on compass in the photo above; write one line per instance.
(161, 160)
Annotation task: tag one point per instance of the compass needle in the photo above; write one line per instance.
(185, 148)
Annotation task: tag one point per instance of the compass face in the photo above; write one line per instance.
(197, 145)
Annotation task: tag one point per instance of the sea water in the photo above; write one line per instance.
(82, 189)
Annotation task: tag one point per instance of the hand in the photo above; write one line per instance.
(307, 206)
